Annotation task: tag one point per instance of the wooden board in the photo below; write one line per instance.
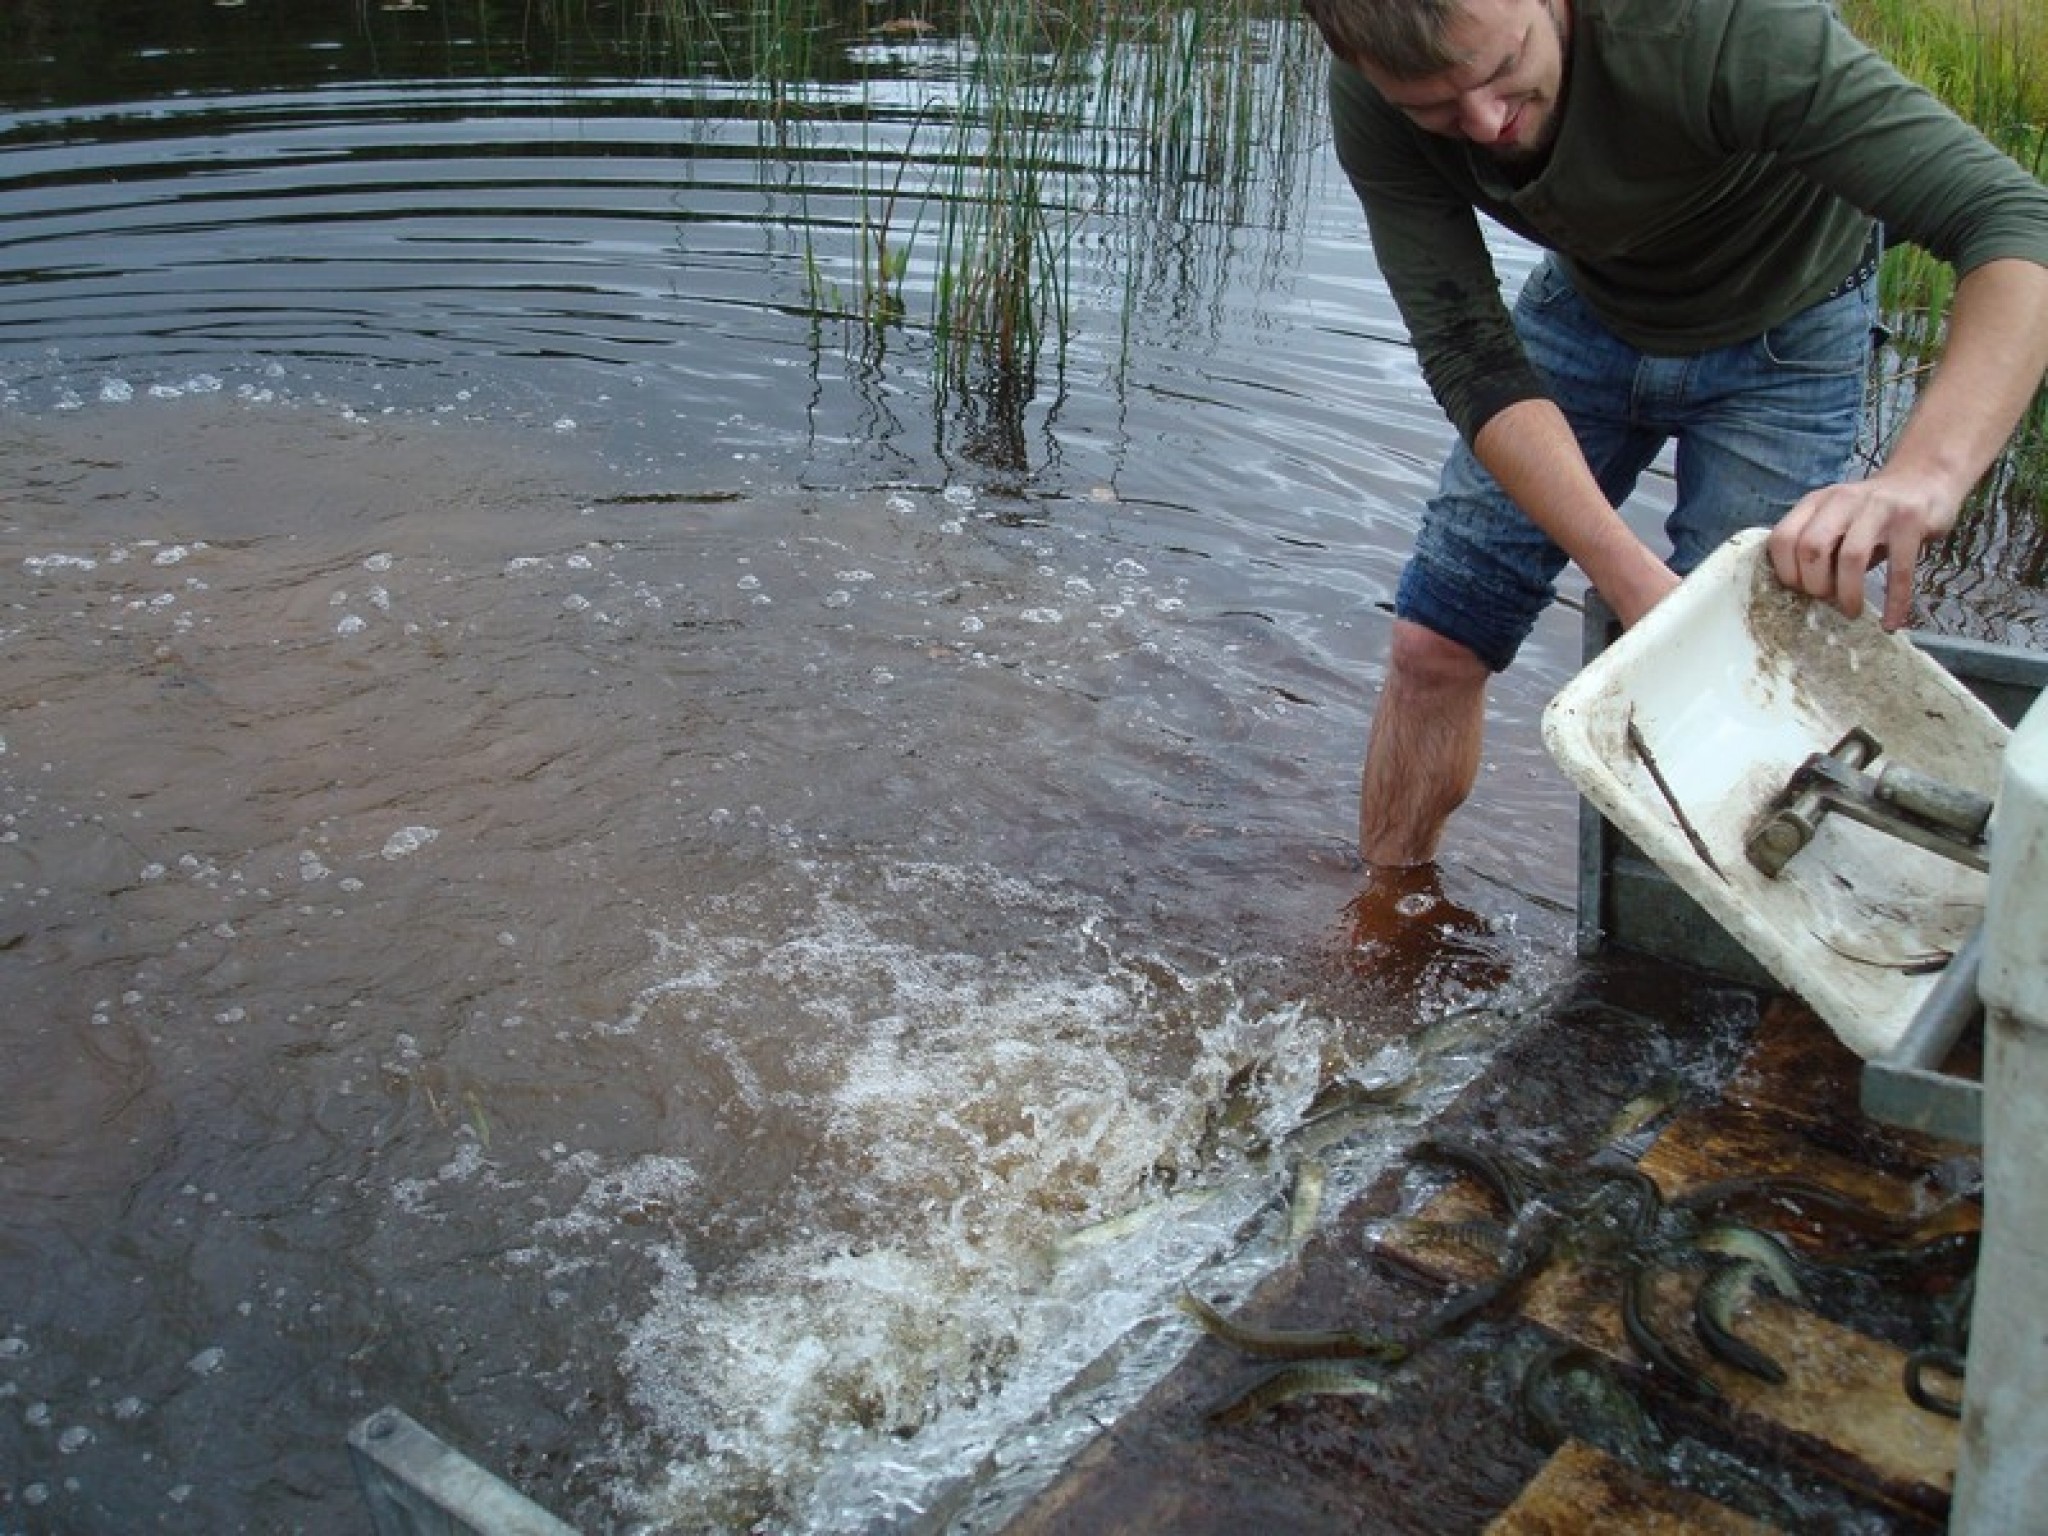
(1842, 1411)
(1582, 1491)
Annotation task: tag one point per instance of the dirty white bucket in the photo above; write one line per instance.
(1731, 683)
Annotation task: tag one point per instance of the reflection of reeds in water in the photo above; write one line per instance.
(1989, 60)
(1037, 120)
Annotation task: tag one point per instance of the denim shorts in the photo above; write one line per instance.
(1755, 427)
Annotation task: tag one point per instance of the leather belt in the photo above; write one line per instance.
(1873, 252)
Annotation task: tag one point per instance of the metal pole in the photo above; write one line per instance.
(417, 1485)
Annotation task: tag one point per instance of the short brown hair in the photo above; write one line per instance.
(1405, 38)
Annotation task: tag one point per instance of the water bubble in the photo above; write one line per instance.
(380, 561)
(208, 1361)
(74, 1440)
(351, 624)
(116, 391)
(407, 840)
(41, 563)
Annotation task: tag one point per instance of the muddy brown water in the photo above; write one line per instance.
(588, 852)
(653, 987)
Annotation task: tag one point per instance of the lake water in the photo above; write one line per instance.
(595, 846)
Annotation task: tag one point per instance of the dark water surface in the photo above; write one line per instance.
(593, 847)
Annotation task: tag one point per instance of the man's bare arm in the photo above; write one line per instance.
(1530, 450)
(1990, 369)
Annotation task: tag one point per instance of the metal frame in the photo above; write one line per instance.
(416, 1485)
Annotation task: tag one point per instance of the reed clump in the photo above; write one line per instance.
(1988, 59)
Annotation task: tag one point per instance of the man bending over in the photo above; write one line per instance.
(1709, 179)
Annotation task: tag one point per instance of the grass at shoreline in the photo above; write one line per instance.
(1988, 59)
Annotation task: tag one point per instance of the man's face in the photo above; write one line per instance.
(1503, 92)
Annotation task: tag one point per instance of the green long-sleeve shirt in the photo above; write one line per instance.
(1716, 169)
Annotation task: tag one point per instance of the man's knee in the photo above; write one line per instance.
(1424, 661)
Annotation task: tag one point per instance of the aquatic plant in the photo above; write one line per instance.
(990, 136)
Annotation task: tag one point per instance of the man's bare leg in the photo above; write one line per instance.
(1422, 756)
(1420, 763)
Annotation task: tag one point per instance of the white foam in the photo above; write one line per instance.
(921, 1302)
(408, 840)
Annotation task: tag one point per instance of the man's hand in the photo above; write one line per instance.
(1996, 355)
(1833, 538)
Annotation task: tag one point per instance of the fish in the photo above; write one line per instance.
(1752, 1245)
(1305, 1200)
(1636, 1297)
(1289, 1344)
(1507, 1183)
(1655, 1100)
(1566, 1393)
(1721, 1296)
(1101, 1234)
(1315, 1378)
(1802, 1196)
(1480, 1236)
(1917, 1364)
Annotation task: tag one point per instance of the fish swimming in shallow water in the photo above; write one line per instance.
(1305, 1201)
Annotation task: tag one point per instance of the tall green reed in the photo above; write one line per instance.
(1988, 59)
(1047, 117)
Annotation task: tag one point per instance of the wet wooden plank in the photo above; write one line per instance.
(1798, 1074)
(1720, 1143)
(1582, 1491)
(1843, 1409)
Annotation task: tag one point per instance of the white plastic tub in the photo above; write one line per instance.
(1732, 683)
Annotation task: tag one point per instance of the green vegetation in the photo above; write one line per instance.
(1988, 59)
(973, 197)
(967, 225)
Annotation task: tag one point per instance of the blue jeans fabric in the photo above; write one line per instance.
(1756, 427)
